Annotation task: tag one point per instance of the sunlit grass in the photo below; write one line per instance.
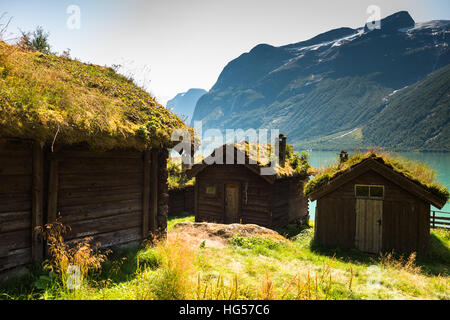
(257, 268)
(40, 93)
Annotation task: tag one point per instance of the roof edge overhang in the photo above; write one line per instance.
(395, 177)
(197, 168)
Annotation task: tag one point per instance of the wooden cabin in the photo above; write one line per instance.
(373, 207)
(238, 193)
(89, 160)
(181, 201)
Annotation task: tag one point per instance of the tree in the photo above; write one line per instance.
(38, 40)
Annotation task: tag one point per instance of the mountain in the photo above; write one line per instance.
(329, 87)
(183, 104)
(414, 117)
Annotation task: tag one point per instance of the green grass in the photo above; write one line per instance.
(86, 103)
(177, 177)
(186, 216)
(255, 268)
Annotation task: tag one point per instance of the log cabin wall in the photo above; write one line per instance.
(280, 205)
(298, 203)
(16, 203)
(255, 195)
(181, 200)
(256, 200)
(99, 194)
(162, 191)
(116, 197)
(289, 205)
(405, 219)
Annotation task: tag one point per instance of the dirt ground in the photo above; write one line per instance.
(217, 235)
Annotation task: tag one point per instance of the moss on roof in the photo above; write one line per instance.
(295, 164)
(43, 96)
(419, 173)
(178, 179)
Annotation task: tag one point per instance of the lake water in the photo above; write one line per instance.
(438, 161)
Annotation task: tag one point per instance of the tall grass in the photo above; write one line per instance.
(173, 279)
(248, 268)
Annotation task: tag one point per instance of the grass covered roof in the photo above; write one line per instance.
(47, 96)
(260, 154)
(418, 173)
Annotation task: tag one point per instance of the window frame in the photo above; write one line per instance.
(212, 195)
(369, 196)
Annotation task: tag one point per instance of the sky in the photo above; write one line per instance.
(169, 46)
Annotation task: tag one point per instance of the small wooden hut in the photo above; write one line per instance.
(238, 193)
(373, 205)
(84, 144)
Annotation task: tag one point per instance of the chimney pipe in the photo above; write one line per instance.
(282, 154)
(343, 156)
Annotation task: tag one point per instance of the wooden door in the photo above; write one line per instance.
(231, 203)
(369, 214)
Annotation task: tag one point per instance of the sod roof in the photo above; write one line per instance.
(47, 96)
(418, 173)
(259, 156)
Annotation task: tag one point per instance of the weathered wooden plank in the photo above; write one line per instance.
(100, 166)
(13, 221)
(259, 220)
(37, 216)
(261, 208)
(15, 202)
(15, 183)
(97, 210)
(146, 195)
(196, 201)
(90, 154)
(15, 259)
(15, 149)
(14, 240)
(207, 211)
(53, 186)
(15, 166)
(76, 181)
(154, 177)
(92, 227)
(99, 197)
(114, 238)
(211, 202)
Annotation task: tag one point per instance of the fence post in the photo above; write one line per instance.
(434, 219)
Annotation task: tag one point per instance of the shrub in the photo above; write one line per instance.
(177, 177)
(66, 258)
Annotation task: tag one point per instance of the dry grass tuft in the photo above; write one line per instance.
(408, 264)
(64, 255)
(174, 278)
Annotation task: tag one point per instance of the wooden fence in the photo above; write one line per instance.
(439, 219)
(181, 200)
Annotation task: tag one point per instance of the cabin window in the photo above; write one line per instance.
(376, 192)
(362, 191)
(369, 191)
(210, 190)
